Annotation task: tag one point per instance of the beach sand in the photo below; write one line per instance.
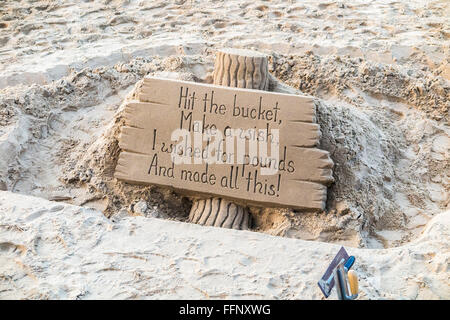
(379, 70)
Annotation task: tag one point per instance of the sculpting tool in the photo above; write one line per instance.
(327, 282)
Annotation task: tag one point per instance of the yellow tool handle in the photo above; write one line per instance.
(353, 281)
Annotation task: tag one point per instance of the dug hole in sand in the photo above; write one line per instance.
(68, 229)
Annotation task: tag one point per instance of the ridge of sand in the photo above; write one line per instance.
(60, 251)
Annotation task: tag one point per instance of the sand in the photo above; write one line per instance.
(56, 251)
(380, 72)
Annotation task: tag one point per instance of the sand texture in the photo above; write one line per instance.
(55, 251)
(380, 75)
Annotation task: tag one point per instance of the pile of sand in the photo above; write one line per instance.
(51, 250)
(379, 71)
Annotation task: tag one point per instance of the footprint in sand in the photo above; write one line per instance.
(12, 248)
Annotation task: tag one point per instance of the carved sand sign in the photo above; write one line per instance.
(252, 146)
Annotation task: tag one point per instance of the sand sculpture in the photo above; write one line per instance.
(302, 171)
(242, 69)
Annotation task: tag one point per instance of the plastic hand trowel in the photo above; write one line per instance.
(338, 273)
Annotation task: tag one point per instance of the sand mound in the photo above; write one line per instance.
(389, 173)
